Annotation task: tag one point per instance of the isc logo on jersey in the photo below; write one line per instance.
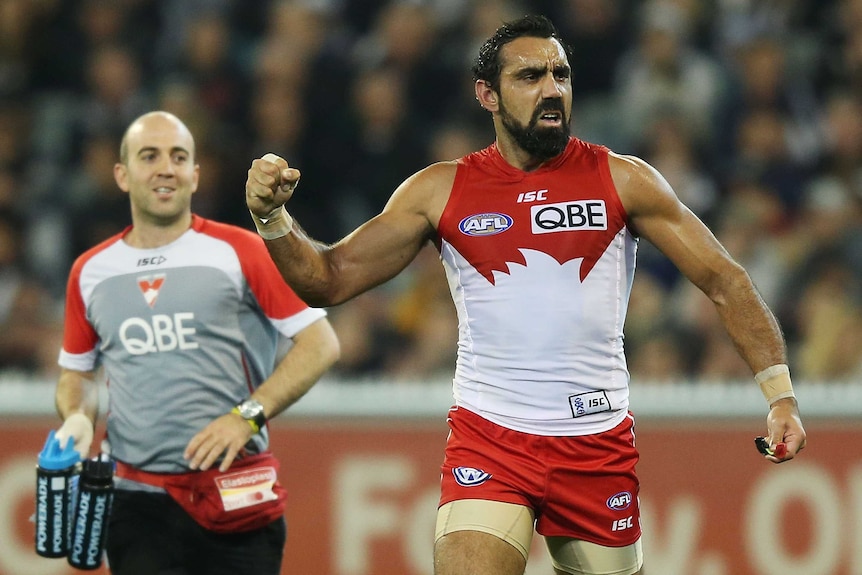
(569, 216)
(485, 224)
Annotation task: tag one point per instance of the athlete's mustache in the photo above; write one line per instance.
(549, 105)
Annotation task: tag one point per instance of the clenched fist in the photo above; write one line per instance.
(270, 184)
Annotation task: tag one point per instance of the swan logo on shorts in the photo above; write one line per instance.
(470, 476)
(620, 501)
(485, 224)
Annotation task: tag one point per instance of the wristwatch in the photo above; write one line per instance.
(252, 411)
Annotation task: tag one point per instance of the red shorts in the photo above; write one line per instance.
(582, 487)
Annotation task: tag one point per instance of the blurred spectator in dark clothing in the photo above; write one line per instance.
(96, 210)
(29, 319)
(839, 59)
(762, 154)
(764, 82)
(381, 138)
(115, 94)
(66, 33)
(278, 122)
(599, 32)
(840, 162)
(828, 317)
(15, 124)
(112, 97)
(207, 63)
(456, 49)
(405, 39)
(17, 21)
(665, 70)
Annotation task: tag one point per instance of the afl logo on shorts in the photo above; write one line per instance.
(470, 476)
(620, 501)
(485, 224)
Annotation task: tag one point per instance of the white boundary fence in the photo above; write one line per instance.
(358, 398)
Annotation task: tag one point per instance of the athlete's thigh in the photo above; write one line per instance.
(476, 553)
(511, 523)
(491, 480)
(578, 557)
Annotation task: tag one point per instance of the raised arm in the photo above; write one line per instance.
(657, 215)
(326, 275)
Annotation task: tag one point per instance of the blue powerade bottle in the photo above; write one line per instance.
(56, 492)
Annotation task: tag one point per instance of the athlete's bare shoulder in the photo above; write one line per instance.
(425, 192)
(640, 186)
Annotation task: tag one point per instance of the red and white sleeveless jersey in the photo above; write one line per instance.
(540, 265)
(184, 332)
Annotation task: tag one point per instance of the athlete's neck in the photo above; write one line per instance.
(152, 234)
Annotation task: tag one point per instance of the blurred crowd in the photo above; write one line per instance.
(752, 109)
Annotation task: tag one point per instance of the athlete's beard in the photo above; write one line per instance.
(541, 143)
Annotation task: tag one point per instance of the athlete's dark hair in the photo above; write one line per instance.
(487, 65)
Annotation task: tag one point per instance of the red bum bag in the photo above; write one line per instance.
(247, 496)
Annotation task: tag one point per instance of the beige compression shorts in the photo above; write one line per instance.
(514, 524)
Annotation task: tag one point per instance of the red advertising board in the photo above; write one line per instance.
(363, 494)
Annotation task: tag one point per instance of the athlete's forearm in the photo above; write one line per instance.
(750, 324)
(306, 265)
(77, 392)
(314, 351)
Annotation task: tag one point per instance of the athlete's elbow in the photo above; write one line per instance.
(728, 284)
(322, 294)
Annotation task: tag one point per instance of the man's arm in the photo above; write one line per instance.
(77, 401)
(326, 275)
(315, 349)
(657, 215)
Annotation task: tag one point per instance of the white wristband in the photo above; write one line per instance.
(278, 224)
(775, 383)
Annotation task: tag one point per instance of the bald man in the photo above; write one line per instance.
(185, 316)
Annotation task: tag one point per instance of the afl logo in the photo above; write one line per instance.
(485, 224)
(470, 476)
(620, 501)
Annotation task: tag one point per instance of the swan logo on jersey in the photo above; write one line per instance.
(620, 501)
(470, 476)
(485, 224)
(150, 286)
(569, 216)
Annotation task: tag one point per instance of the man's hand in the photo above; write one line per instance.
(79, 429)
(269, 185)
(226, 435)
(785, 426)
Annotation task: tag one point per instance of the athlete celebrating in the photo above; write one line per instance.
(537, 234)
